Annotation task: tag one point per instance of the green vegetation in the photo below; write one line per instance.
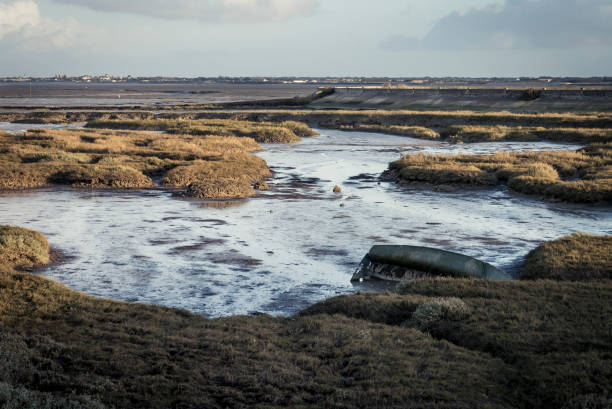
(125, 159)
(435, 343)
(284, 132)
(583, 176)
(20, 247)
(577, 257)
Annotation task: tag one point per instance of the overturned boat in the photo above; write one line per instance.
(398, 263)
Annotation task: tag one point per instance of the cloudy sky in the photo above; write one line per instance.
(306, 37)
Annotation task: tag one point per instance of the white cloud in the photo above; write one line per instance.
(23, 27)
(206, 10)
(17, 16)
(517, 24)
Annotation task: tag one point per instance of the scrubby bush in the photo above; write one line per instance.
(435, 310)
(531, 94)
(541, 170)
(22, 247)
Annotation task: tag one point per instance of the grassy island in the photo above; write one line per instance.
(128, 159)
(584, 176)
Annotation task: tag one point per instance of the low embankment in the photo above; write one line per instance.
(434, 343)
(477, 98)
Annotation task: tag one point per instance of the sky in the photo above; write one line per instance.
(395, 38)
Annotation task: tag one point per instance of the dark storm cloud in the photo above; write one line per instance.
(205, 10)
(518, 24)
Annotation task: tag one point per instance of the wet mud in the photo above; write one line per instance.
(294, 244)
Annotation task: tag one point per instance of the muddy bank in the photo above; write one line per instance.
(481, 98)
(130, 95)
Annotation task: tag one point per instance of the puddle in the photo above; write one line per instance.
(294, 244)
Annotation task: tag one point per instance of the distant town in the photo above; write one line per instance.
(422, 81)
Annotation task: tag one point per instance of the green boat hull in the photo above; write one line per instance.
(396, 263)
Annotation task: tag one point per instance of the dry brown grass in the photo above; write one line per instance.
(268, 132)
(584, 176)
(410, 131)
(476, 133)
(47, 116)
(577, 257)
(21, 247)
(124, 159)
(437, 120)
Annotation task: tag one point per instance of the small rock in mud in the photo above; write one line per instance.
(337, 189)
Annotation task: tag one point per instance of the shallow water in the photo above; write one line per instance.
(18, 127)
(295, 244)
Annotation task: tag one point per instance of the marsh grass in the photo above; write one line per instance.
(125, 159)
(46, 116)
(583, 176)
(436, 120)
(262, 132)
(435, 343)
(419, 132)
(577, 257)
(137, 356)
(21, 247)
(482, 133)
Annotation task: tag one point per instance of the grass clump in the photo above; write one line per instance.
(541, 170)
(584, 176)
(21, 247)
(435, 310)
(577, 257)
(220, 189)
(262, 132)
(125, 159)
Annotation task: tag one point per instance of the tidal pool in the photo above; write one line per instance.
(295, 244)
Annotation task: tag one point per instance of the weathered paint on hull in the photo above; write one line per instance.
(396, 263)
